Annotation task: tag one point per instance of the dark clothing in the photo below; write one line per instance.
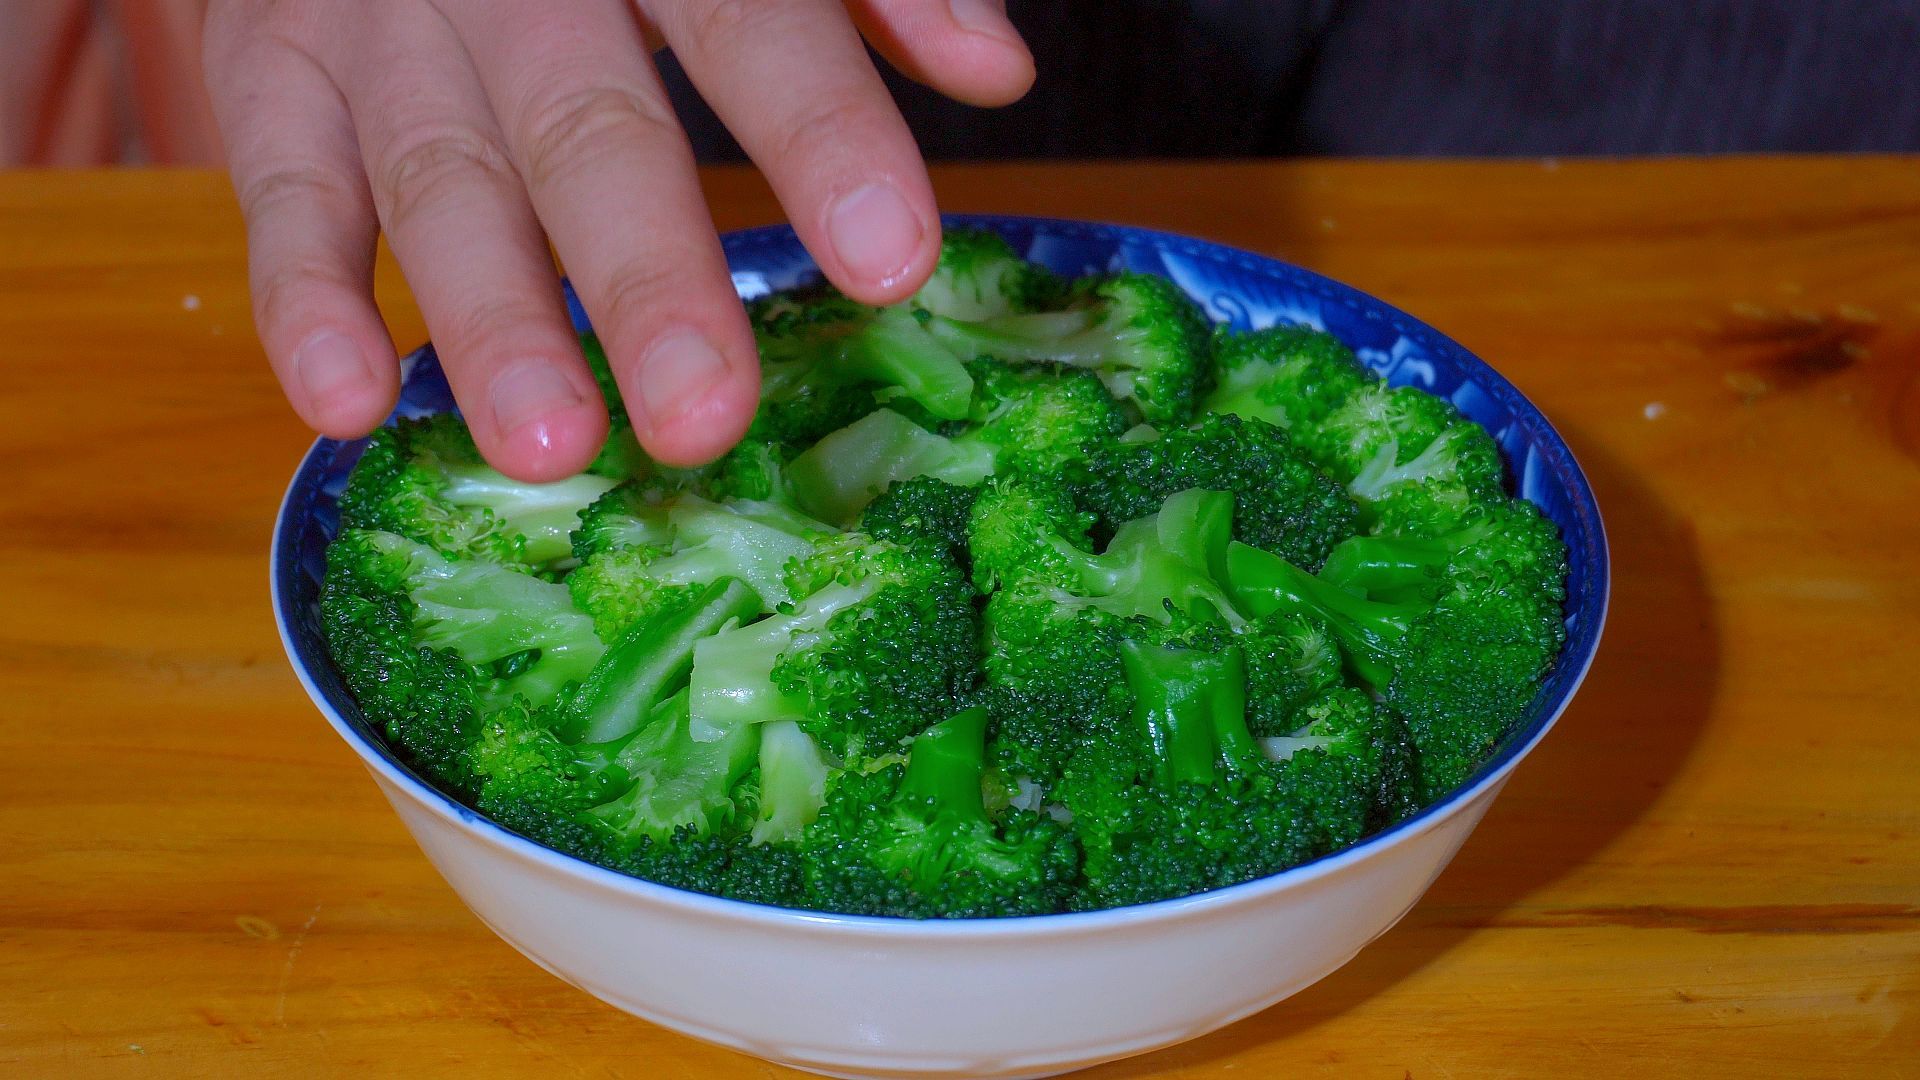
(1242, 78)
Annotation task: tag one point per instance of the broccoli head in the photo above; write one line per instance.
(1413, 463)
(705, 541)
(1282, 503)
(1460, 668)
(916, 839)
(1288, 376)
(877, 640)
(979, 277)
(1145, 338)
(812, 353)
(1192, 801)
(424, 480)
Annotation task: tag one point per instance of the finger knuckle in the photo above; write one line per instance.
(823, 125)
(639, 287)
(425, 167)
(568, 131)
(293, 186)
(717, 26)
(492, 325)
(284, 293)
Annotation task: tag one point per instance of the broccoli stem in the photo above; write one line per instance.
(748, 540)
(897, 352)
(732, 672)
(1393, 568)
(670, 781)
(1192, 707)
(633, 677)
(1065, 337)
(1178, 555)
(545, 514)
(1264, 583)
(945, 766)
(793, 781)
(846, 470)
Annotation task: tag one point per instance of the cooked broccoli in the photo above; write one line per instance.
(923, 510)
(676, 548)
(1460, 667)
(1288, 376)
(812, 352)
(842, 473)
(979, 277)
(1144, 337)
(1025, 420)
(424, 480)
(981, 618)
(916, 839)
(1191, 801)
(1057, 613)
(874, 645)
(1513, 535)
(1410, 459)
(1281, 501)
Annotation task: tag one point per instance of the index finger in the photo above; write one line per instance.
(593, 135)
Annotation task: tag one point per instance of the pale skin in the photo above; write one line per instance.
(473, 132)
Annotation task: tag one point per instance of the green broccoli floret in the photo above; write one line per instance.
(520, 633)
(1409, 458)
(1169, 563)
(631, 515)
(979, 277)
(705, 541)
(678, 785)
(1281, 501)
(812, 352)
(1192, 802)
(651, 658)
(1288, 376)
(667, 820)
(1038, 417)
(842, 473)
(1144, 337)
(1512, 536)
(424, 480)
(925, 509)
(876, 642)
(1026, 420)
(611, 766)
(1461, 669)
(426, 643)
(1347, 767)
(1290, 662)
(1058, 613)
(917, 841)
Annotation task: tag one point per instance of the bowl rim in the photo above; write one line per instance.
(1581, 648)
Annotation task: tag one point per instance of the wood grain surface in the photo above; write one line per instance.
(1711, 868)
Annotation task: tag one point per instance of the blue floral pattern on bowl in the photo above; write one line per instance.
(1239, 288)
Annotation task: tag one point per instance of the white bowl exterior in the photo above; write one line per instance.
(859, 999)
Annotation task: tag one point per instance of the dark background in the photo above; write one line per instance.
(1239, 78)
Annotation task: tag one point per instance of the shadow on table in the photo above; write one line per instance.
(1627, 734)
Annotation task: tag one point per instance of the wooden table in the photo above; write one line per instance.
(1712, 867)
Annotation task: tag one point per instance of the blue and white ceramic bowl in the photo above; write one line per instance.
(855, 996)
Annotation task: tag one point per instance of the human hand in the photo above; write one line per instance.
(472, 132)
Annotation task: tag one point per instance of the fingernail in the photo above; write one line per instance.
(329, 363)
(529, 392)
(875, 233)
(982, 17)
(676, 373)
